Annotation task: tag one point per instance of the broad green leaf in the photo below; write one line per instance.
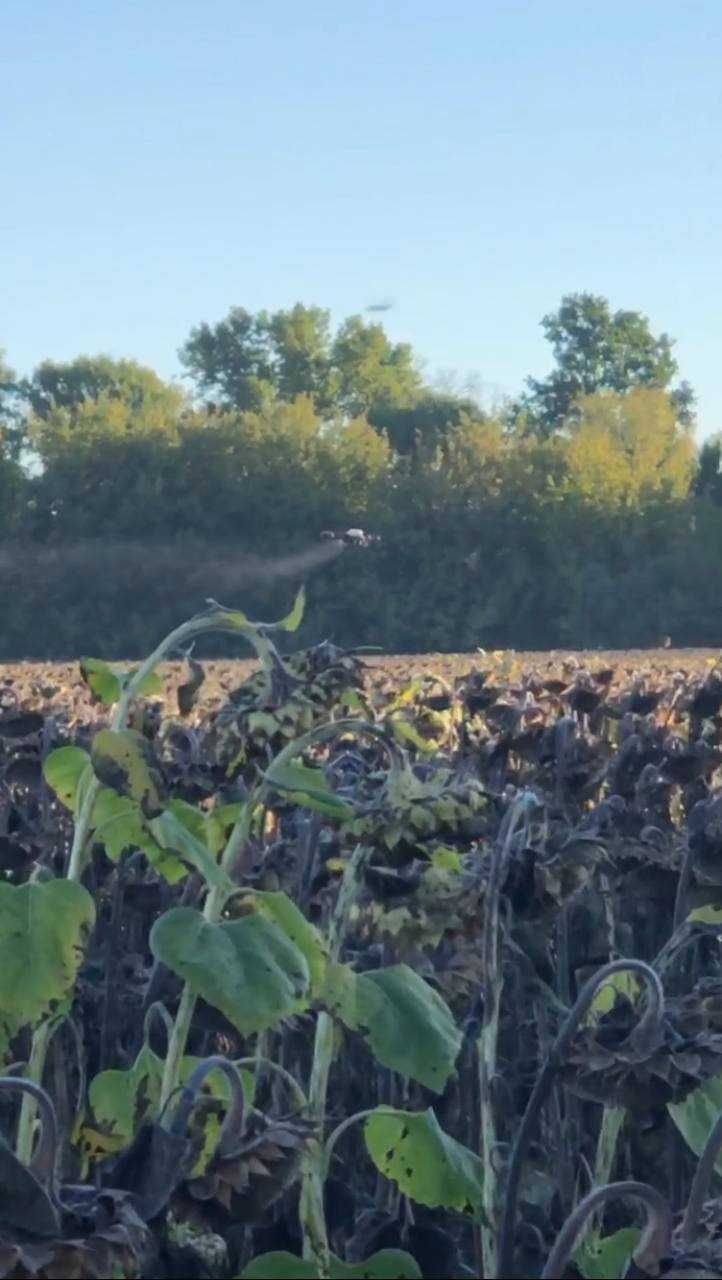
(279, 1266)
(309, 787)
(281, 911)
(209, 828)
(339, 993)
(298, 777)
(101, 680)
(219, 822)
(264, 722)
(217, 1082)
(63, 770)
(697, 1115)
(293, 620)
(387, 1264)
(120, 1102)
(409, 1027)
(426, 1164)
(107, 684)
(151, 686)
(445, 859)
(123, 760)
(609, 1256)
(404, 730)
(173, 831)
(191, 818)
(209, 1121)
(406, 694)
(352, 699)
(333, 808)
(43, 930)
(120, 825)
(624, 982)
(705, 915)
(109, 805)
(247, 968)
(393, 921)
(233, 618)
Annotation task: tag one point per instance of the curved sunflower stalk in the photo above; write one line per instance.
(645, 1034)
(656, 1236)
(701, 1184)
(61, 1226)
(216, 618)
(308, 787)
(160, 1154)
(311, 1209)
(516, 821)
(86, 1229)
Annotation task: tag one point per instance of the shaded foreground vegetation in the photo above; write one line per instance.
(337, 973)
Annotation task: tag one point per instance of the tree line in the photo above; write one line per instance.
(578, 514)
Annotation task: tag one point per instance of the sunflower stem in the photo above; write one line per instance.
(312, 1213)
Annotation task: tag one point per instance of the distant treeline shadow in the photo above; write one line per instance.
(118, 598)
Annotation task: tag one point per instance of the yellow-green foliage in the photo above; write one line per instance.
(624, 448)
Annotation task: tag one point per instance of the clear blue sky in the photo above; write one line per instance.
(162, 160)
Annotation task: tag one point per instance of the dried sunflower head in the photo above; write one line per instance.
(701, 1260)
(604, 1062)
(308, 686)
(100, 1236)
(242, 1186)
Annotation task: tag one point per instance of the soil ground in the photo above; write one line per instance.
(59, 683)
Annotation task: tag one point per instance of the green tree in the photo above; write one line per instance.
(301, 351)
(372, 371)
(354, 459)
(12, 443)
(708, 479)
(8, 388)
(596, 349)
(77, 404)
(69, 386)
(626, 449)
(247, 360)
(12, 411)
(425, 423)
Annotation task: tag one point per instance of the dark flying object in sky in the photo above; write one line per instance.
(380, 306)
